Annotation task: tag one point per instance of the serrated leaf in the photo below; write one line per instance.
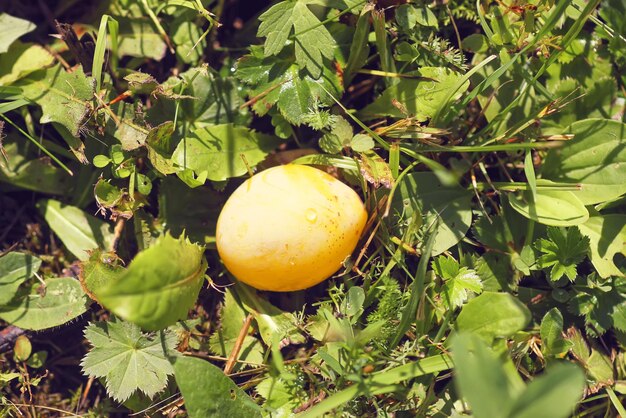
(128, 359)
(39, 308)
(64, 97)
(278, 80)
(22, 59)
(216, 151)
(312, 41)
(607, 237)
(159, 286)
(422, 98)
(492, 315)
(15, 269)
(79, 231)
(12, 28)
(595, 159)
(209, 393)
(222, 342)
(563, 251)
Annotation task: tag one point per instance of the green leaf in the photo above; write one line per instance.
(551, 207)
(22, 59)
(278, 80)
(553, 394)
(64, 97)
(159, 286)
(32, 174)
(480, 377)
(551, 331)
(595, 159)
(339, 136)
(194, 211)
(422, 98)
(375, 170)
(492, 315)
(274, 324)
(79, 231)
(217, 151)
(60, 301)
(12, 29)
(361, 143)
(312, 40)
(222, 342)
(137, 38)
(128, 359)
(563, 251)
(607, 237)
(209, 393)
(99, 270)
(15, 269)
(423, 193)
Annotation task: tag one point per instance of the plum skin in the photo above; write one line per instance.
(289, 228)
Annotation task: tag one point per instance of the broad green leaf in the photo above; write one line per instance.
(22, 59)
(31, 174)
(607, 237)
(137, 38)
(78, 230)
(185, 33)
(223, 340)
(60, 301)
(422, 98)
(200, 98)
(193, 211)
(15, 269)
(480, 377)
(422, 193)
(12, 28)
(216, 151)
(159, 286)
(551, 207)
(492, 315)
(127, 359)
(595, 159)
(64, 97)
(209, 393)
(312, 40)
(554, 394)
(551, 331)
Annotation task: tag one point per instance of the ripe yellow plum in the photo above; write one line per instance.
(289, 227)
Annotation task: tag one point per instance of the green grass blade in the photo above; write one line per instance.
(409, 312)
(100, 52)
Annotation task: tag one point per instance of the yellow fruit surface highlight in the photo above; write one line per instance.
(289, 227)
